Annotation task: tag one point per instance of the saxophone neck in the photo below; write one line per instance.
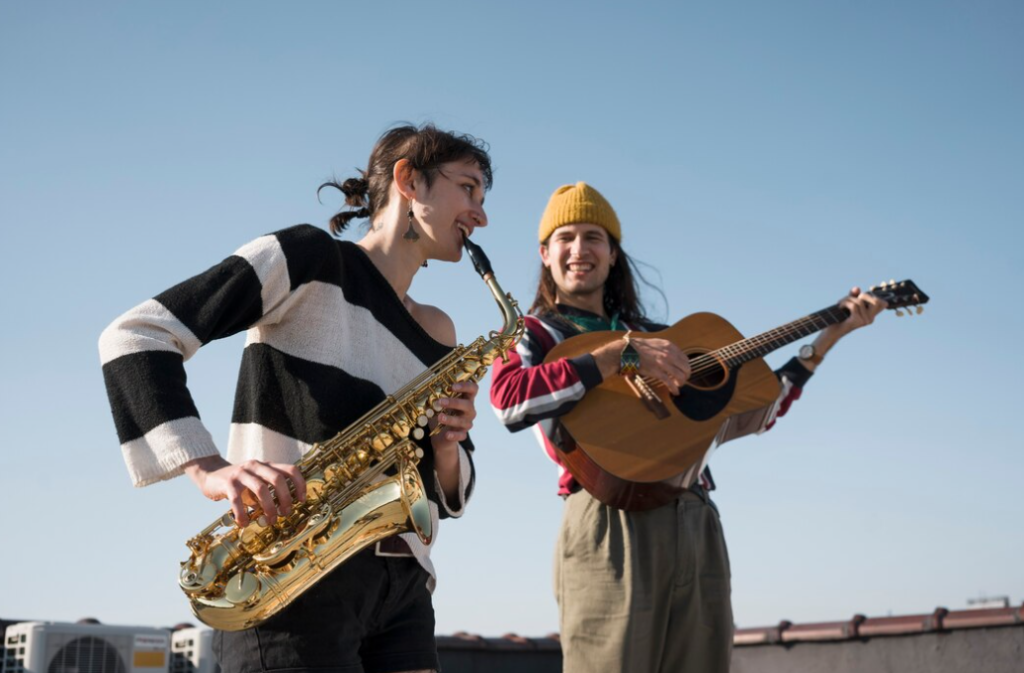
(514, 325)
(512, 331)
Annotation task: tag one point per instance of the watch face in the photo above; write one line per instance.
(806, 352)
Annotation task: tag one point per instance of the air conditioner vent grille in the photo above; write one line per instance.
(87, 655)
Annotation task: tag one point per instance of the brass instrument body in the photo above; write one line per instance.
(362, 486)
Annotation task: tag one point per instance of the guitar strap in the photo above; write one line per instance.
(593, 323)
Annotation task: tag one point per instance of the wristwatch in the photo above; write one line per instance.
(808, 353)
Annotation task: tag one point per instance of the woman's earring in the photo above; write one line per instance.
(410, 234)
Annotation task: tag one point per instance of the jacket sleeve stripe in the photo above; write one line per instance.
(555, 403)
(162, 376)
(147, 327)
(161, 452)
(219, 302)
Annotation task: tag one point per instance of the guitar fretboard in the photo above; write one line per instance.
(766, 342)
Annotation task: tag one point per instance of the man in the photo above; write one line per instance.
(637, 591)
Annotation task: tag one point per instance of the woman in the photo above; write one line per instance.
(331, 331)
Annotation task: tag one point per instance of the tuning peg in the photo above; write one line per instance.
(899, 313)
(892, 282)
(920, 310)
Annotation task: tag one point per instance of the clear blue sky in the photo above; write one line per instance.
(763, 158)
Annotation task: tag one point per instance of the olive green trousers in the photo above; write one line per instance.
(643, 592)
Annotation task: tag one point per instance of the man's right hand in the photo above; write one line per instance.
(273, 487)
(659, 359)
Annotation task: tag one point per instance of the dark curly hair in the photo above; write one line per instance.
(425, 147)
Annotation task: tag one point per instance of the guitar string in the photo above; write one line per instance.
(801, 327)
(706, 362)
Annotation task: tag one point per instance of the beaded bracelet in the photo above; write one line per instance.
(629, 360)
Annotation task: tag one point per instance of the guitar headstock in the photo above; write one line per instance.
(902, 295)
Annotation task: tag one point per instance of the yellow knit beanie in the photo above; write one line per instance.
(579, 203)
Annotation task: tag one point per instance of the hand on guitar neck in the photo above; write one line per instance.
(863, 307)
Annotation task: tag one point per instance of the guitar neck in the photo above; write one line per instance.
(766, 342)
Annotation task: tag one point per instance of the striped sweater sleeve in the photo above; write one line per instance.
(525, 390)
(143, 351)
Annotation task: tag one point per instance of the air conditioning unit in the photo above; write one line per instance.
(192, 651)
(53, 647)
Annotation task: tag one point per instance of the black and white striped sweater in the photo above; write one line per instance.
(327, 340)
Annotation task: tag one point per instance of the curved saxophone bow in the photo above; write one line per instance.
(362, 486)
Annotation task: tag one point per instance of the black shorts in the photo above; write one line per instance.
(372, 614)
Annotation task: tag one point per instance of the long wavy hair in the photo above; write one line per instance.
(621, 290)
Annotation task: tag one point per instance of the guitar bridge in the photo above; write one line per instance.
(647, 395)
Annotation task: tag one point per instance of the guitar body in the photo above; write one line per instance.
(625, 455)
(631, 453)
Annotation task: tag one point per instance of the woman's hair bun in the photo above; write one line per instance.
(355, 190)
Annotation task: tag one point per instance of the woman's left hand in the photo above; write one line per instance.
(457, 415)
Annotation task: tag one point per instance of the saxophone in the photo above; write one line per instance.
(362, 486)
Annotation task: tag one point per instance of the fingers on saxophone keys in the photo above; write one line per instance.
(455, 425)
(238, 509)
(264, 497)
(466, 388)
(457, 418)
(275, 495)
(287, 485)
(296, 480)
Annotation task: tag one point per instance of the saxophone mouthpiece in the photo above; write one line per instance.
(476, 254)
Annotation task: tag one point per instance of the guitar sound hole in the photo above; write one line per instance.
(707, 375)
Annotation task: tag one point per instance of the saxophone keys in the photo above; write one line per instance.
(423, 419)
(315, 489)
(194, 579)
(382, 441)
(241, 587)
(418, 433)
(332, 473)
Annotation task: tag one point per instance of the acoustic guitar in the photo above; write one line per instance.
(630, 438)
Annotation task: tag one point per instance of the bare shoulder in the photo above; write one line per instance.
(435, 321)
